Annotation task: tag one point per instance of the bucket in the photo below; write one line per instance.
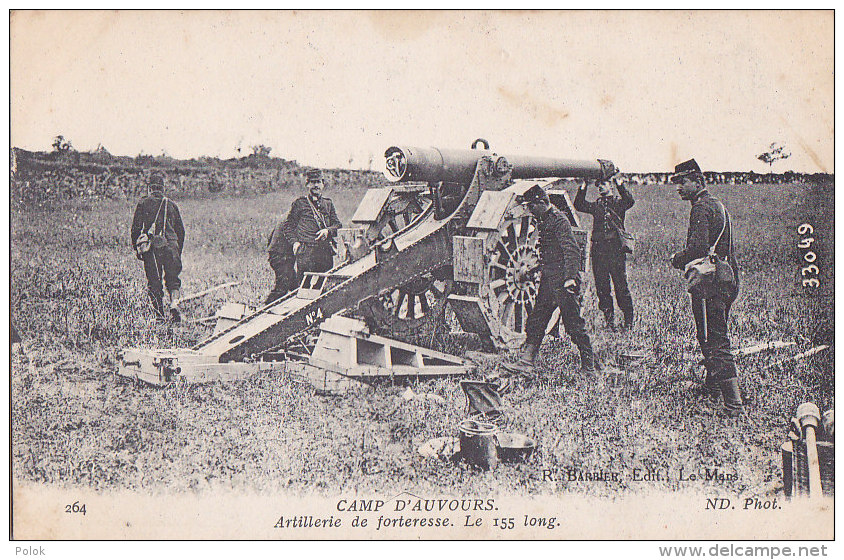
(514, 448)
(478, 443)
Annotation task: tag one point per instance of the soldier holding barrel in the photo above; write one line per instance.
(609, 257)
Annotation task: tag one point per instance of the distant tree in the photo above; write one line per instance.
(61, 144)
(261, 151)
(776, 151)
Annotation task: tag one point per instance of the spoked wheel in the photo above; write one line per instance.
(513, 272)
(412, 311)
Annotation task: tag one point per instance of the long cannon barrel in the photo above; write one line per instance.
(458, 166)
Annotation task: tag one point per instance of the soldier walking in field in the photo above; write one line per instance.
(710, 233)
(158, 237)
(559, 285)
(310, 228)
(609, 257)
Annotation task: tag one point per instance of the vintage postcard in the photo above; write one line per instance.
(438, 275)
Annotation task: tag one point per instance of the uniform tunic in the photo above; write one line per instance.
(282, 261)
(559, 257)
(162, 264)
(711, 307)
(303, 223)
(609, 261)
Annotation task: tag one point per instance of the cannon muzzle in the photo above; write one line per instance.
(458, 166)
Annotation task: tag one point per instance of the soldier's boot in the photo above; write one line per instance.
(628, 321)
(733, 405)
(157, 301)
(529, 354)
(588, 363)
(175, 316)
(709, 389)
(609, 317)
(526, 362)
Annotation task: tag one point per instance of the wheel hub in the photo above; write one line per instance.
(521, 274)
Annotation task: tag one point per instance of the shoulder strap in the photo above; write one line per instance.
(317, 214)
(155, 220)
(724, 212)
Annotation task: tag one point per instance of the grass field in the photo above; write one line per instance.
(78, 296)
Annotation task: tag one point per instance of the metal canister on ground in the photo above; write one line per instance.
(478, 444)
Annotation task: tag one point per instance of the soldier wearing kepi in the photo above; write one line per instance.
(609, 259)
(158, 237)
(310, 228)
(709, 227)
(559, 285)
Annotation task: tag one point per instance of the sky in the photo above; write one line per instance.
(644, 89)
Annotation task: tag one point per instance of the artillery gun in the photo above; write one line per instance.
(447, 232)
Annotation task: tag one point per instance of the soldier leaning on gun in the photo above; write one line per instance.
(159, 218)
(559, 285)
(609, 261)
(711, 303)
(310, 227)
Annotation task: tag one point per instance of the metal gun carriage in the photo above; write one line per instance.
(447, 233)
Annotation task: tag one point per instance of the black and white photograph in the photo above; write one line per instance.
(428, 275)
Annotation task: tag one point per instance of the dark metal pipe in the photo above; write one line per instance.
(458, 166)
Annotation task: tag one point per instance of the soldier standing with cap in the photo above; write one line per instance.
(559, 285)
(609, 260)
(310, 227)
(158, 237)
(709, 226)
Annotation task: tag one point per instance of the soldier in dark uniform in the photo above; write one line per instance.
(709, 224)
(609, 260)
(311, 226)
(559, 285)
(157, 217)
(282, 261)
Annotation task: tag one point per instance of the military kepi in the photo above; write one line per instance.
(686, 169)
(313, 175)
(156, 180)
(533, 194)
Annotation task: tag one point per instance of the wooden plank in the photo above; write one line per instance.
(425, 352)
(369, 371)
(371, 205)
(230, 314)
(490, 209)
(234, 311)
(411, 187)
(469, 314)
(763, 347)
(190, 370)
(344, 326)
(206, 292)
(560, 198)
(323, 379)
(468, 259)
(800, 356)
